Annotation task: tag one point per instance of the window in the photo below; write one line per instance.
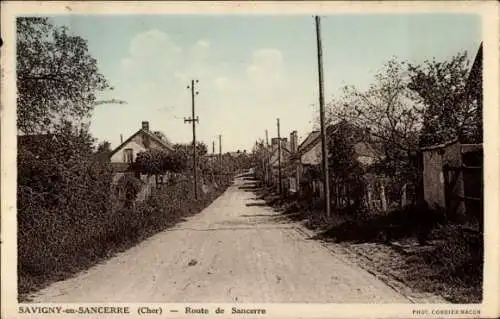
(129, 155)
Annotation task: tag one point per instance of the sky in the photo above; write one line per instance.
(252, 69)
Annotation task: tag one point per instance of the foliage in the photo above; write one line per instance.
(441, 87)
(162, 136)
(460, 255)
(62, 198)
(131, 187)
(57, 78)
(187, 149)
(103, 151)
(104, 147)
(385, 109)
(342, 156)
(66, 148)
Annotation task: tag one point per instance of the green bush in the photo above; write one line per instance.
(61, 206)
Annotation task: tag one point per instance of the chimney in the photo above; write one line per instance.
(145, 138)
(293, 141)
(284, 142)
(121, 138)
(274, 141)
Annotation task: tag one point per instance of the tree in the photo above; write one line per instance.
(386, 110)
(104, 147)
(103, 151)
(342, 156)
(162, 136)
(187, 151)
(57, 78)
(441, 87)
(158, 162)
(174, 162)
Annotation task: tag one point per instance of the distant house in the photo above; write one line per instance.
(308, 157)
(140, 141)
(310, 148)
(237, 154)
(279, 160)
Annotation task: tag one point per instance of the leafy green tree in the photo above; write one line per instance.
(441, 87)
(174, 162)
(158, 162)
(162, 136)
(104, 147)
(342, 156)
(57, 78)
(386, 110)
(187, 151)
(103, 151)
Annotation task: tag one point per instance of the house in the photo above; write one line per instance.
(308, 157)
(279, 157)
(140, 141)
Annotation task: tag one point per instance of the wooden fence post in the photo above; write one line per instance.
(403, 195)
(383, 200)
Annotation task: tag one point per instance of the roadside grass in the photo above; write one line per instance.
(451, 266)
(124, 229)
(455, 267)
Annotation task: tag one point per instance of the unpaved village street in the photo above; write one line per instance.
(236, 250)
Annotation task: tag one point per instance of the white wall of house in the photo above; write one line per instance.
(119, 157)
(137, 145)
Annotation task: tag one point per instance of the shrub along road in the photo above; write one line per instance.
(236, 250)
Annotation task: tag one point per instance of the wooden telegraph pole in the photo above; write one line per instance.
(326, 180)
(193, 120)
(279, 156)
(220, 158)
(268, 161)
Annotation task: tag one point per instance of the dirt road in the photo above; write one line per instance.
(236, 250)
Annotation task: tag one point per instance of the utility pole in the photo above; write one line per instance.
(279, 155)
(326, 180)
(213, 147)
(268, 161)
(220, 158)
(193, 120)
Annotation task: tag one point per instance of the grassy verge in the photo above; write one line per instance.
(454, 268)
(124, 229)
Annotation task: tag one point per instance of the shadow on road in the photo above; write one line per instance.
(258, 215)
(263, 204)
(248, 179)
(250, 188)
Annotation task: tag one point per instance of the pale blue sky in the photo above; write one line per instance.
(252, 69)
